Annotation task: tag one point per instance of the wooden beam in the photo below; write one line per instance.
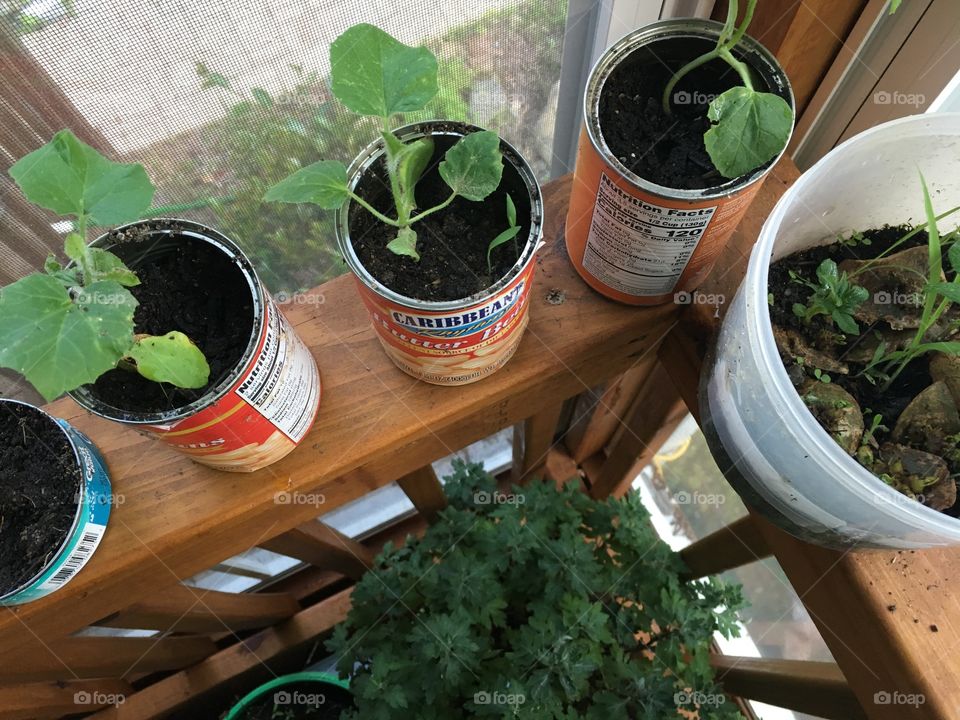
(532, 440)
(815, 688)
(425, 491)
(323, 547)
(38, 701)
(165, 696)
(192, 610)
(99, 657)
(739, 543)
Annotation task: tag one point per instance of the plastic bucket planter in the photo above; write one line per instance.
(89, 522)
(634, 240)
(287, 692)
(458, 341)
(787, 466)
(258, 411)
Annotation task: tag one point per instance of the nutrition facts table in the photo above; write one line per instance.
(637, 247)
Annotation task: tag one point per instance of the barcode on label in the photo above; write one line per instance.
(78, 558)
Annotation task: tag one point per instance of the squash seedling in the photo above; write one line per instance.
(373, 74)
(749, 127)
(68, 325)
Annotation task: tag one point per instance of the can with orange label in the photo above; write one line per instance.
(631, 239)
(260, 410)
(458, 341)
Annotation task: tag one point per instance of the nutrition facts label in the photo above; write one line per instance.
(637, 247)
(284, 384)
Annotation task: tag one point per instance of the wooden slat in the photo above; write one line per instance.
(375, 425)
(425, 491)
(99, 657)
(739, 543)
(560, 468)
(323, 547)
(598, 414)
(37, 701)
(191, 610)
(173, 692)
(816, 688)
(532, 440)
(655, 412)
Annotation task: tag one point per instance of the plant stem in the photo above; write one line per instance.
(866, 266)
(432, 210)
(372, 210)
(742, 70)
(685, 70)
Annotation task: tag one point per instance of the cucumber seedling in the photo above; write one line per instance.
(68, 325)
(749, 127)
(373, 74)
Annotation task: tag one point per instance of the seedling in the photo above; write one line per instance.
(853, 239)
(749, 127)
(834, 295)
(373, 74)
(68, 325)
(509, 234)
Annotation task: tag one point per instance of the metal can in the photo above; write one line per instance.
(262, 409)
(458, 341)
(89, 521)
(631, 239)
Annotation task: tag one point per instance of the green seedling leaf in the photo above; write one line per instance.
(827, 272)
(511, 211)
(750, 128)
(74, 247)
(104, 265)
(506, 235)
(473, 167)
(845, 322)
(59, 343)
(170, 358)
(953, 255)
(51, 265)
(323, 183)
(951, 291)
(375, 74)
(406, 164)
(894, 6)
(262, 97)
(71, 178)
(405, 243)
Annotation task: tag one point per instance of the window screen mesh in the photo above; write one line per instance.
(220, 99)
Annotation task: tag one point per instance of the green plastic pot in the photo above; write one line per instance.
(236, 713)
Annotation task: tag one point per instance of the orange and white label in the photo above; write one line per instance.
(452, 347)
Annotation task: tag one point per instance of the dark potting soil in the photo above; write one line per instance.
(39, 486)
(189, 286)
(452, 243)
(819, 332)
(665, 149)
(267, 707)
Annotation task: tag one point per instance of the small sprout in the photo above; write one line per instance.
(834, 296)
(509, 234)
(821, 376)
(770, 299)
(853, 239)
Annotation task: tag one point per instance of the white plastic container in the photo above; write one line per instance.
(787, 466)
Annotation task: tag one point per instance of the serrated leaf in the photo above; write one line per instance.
(104, 265)
(405, 243)
(69, 177)
(375, 74)
(57, 343)
(170, 358)
(473, 166)
(323, 183)
(750, 128)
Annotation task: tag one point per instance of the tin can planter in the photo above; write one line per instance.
(465, 338)
(264, 387)
(54, 501)
(648, 212)
(304, 695)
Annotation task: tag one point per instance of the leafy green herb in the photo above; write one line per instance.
(66, 326)
(833, 295)
(822, 376)
(749, 127)
(509, 234)
(536, 603)
(373, 74)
